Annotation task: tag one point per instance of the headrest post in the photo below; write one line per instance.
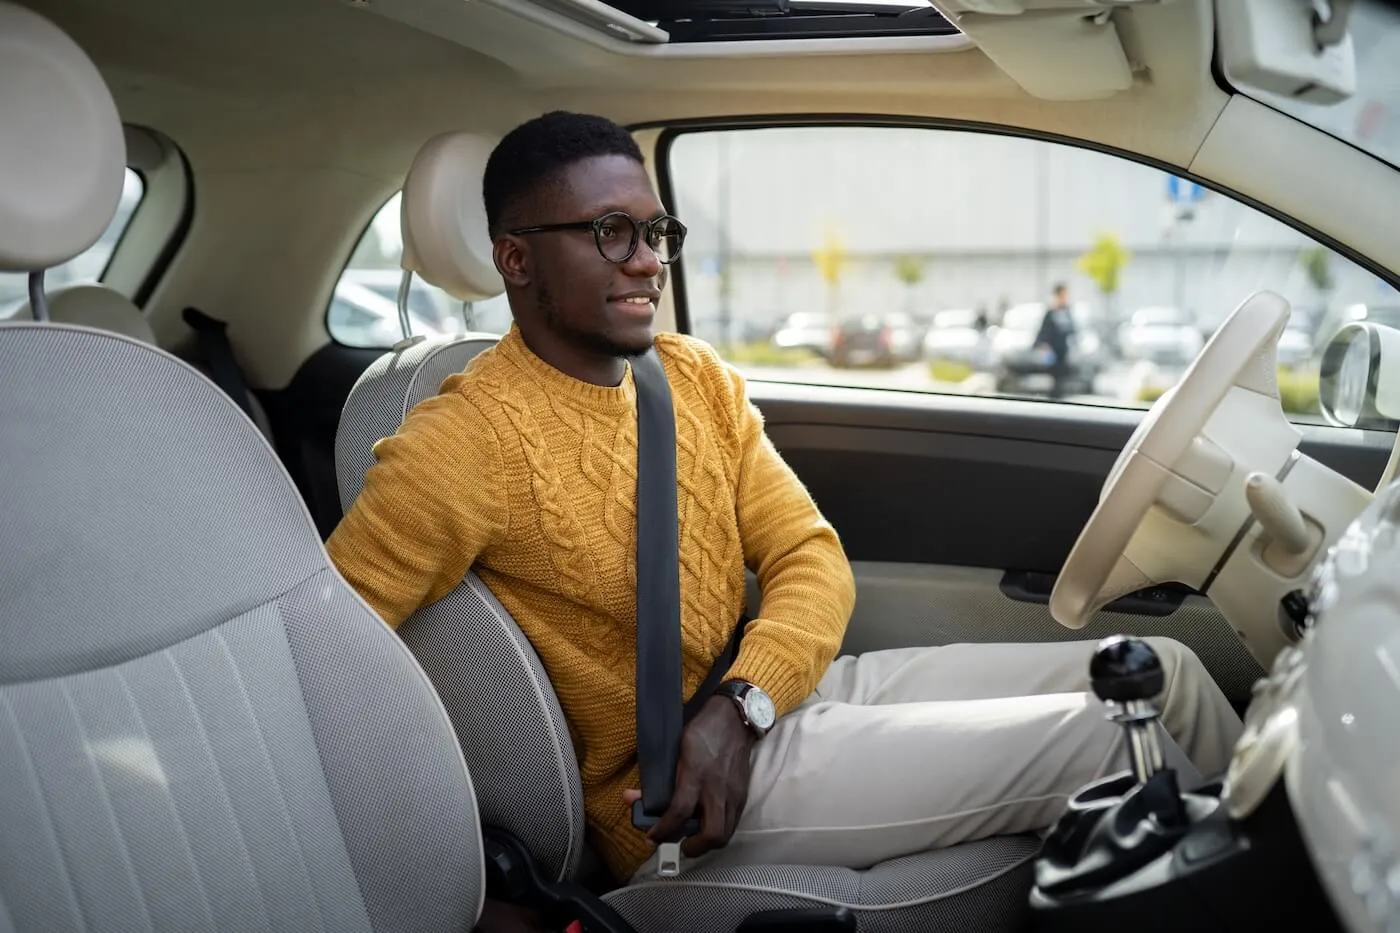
(405, 286)
(38, 302)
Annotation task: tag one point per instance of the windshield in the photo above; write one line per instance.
(1370, 119)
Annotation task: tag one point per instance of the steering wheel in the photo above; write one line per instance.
(1182, 501)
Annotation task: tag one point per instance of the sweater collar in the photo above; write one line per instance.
(554, 382)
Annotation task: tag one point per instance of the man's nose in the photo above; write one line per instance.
(644, 263)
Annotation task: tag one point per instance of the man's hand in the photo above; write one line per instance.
(712, 776)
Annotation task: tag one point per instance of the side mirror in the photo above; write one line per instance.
(1359, 384)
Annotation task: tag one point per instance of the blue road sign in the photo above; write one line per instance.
(1180, 191)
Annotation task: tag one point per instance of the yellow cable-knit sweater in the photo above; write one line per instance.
(528, 476)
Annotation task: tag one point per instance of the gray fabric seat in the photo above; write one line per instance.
(526, 772)
(201, 726)
(93, 304)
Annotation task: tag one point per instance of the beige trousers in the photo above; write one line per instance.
(911, 749)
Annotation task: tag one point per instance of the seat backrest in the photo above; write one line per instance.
(517, 746)
(201, 725)
(92, 304)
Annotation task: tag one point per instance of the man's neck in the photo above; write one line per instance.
(579, 363)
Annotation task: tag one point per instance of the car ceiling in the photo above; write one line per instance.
(327, 83)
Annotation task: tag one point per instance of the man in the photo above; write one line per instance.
(1056, 330)
(524, 468)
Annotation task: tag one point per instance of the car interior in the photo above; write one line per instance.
(238, 243)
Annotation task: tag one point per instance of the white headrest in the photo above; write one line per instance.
(62, 151)
(94, 306)
(443, 219)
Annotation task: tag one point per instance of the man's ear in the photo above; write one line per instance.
(512, 258)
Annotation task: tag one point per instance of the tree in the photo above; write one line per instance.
(830, 259)
(1317, 265)
(909, 270)
(1104, 263)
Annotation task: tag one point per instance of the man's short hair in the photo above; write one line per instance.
(535, 151)
(1059, 287)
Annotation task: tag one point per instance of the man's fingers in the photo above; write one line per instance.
(714, 818)
(681, 808)
(630, 796)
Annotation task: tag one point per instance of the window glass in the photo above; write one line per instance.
(364, 308)
(926, 260)
(86, 267)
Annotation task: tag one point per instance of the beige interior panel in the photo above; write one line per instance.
(1338, 190)
(157, 218)
(912, 604)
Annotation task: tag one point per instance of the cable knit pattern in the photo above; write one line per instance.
(529, 476)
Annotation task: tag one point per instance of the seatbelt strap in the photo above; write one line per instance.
(661, 715)
(212, 335)
(659, 705)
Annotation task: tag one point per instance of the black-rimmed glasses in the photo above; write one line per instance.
(617, 234)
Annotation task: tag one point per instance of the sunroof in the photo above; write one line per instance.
(719, 20)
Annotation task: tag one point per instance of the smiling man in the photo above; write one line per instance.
(524, 468)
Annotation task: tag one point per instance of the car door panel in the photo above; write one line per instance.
(956, 513)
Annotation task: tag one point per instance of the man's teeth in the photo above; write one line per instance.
(637, 301)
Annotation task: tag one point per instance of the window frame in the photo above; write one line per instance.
(672, 130)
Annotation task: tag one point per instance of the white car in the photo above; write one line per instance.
(1163, 335)
(955, 337)
(361, 317)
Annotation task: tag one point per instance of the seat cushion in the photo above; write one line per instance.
(981, 886)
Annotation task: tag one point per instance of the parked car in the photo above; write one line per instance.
(875, 339)
(362, 317)
(1014, 357)
(956, 337)
(1164, 335)
(806, 330)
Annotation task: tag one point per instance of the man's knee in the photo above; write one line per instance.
(1181, 668)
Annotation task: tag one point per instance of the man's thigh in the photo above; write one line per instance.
(966, 671)
(844, 784)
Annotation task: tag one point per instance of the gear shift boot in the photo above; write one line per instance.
(1100, 841)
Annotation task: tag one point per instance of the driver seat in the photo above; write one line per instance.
(518, 748)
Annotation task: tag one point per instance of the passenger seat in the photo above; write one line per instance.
(96, 305)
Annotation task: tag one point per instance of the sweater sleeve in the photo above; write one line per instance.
(431, 503)
(807, 585)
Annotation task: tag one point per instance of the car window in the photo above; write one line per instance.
(86, 267)
(919, 229)
(363, 310)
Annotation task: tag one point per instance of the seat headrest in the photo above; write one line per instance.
(94, 306)
(62, 149)
(443, 219)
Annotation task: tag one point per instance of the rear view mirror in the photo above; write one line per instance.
(1286, 47)
(1359, 385)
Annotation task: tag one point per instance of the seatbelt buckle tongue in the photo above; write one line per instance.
(668, 859)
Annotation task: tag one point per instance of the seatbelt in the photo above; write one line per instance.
(212, 335)
(660, 717)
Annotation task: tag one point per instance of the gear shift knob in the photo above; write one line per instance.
(1127, 676)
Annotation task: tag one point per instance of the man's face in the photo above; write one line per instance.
(587, 302)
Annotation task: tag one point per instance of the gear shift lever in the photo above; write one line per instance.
(1127, 676)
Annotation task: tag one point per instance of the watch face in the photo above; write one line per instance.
(758, 706)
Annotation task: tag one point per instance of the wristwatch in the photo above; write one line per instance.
(755, 705)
